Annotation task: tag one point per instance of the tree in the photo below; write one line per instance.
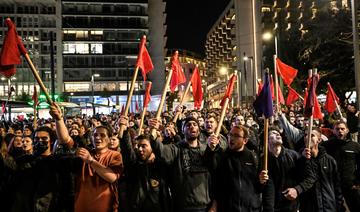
(328, 47)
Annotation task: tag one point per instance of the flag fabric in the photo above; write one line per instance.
(263, 104)
(312, 106)
(143, 60)
(260, 86)
(286, 72)
(272, 89)
(292, 96)
(196, 88)
(11, 50)
(136, 107)
(331, 98)
(178, 76)
(280, 95)
(35, 96)
(305, 95)
(229, 90)
(147, 97)
(3, 107)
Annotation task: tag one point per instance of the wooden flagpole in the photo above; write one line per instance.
(37, 78)
(311, 120)
(128, 101)
(266, 143)
(142, 120)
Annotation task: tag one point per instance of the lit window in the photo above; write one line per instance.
(265, 9)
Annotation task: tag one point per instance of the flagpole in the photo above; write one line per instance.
(266, 143)
(337, 105)
(223, 111)
(276, 75)
(142, 120)
(159, 110)
(38, 79)
(128, 101)
(310, 74)
(222, 116)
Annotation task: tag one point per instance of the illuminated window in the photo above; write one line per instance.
(76, 48)
(265, 9)
(96, 48)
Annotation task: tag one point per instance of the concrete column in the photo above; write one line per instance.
(156, 9)
(59, 49)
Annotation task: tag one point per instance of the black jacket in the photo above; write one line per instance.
(189, 174)
(283, 174)
(320, 189)
(236, 183)
(347, 156)
(146, 184)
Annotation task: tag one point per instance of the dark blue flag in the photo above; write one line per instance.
(263, 104)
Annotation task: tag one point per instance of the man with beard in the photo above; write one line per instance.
(347, 155)
(236, 184)
(146, 188)
(189, 170)
(282, 174)
(211, 123)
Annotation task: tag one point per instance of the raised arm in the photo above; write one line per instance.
(61, 130)
(291, 132)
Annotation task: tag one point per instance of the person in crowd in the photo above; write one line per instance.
(211, 123)
(236, 184)
(319, 189)
(147, 185)
(347, 156)
(27, 145)
(97, 183)
(114, 142)
(189, 173)
(352, 117)
(282, 174)
(28, 130)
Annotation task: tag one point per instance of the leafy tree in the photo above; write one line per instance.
(328, 47)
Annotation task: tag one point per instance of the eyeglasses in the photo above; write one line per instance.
(234, 136)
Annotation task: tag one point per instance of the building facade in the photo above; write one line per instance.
(96, 44)
(234, 44)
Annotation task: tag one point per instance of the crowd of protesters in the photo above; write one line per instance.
(88, 164)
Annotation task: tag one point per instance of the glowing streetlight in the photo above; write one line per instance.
(223, 71)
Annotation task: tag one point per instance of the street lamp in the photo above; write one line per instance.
(92, 90)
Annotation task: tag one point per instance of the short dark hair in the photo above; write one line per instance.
(142, 137)
(52, 134)
(244, 129)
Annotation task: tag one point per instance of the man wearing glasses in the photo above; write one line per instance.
(236, 184)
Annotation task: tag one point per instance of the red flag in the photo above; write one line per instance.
(3, 107)
(331, 97)
(136, 107)
(280, 95)
(312, 106)
(272, 89)
(286, 72)
(292, 96)
(260, 86)
(147, 97)
(229, 89)
(178, 76)
(11, 50)
(305, 95)
(143, 60)
(196, 88)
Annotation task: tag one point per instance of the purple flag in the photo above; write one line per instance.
(263, 104)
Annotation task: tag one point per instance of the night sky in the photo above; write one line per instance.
(188, 22)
